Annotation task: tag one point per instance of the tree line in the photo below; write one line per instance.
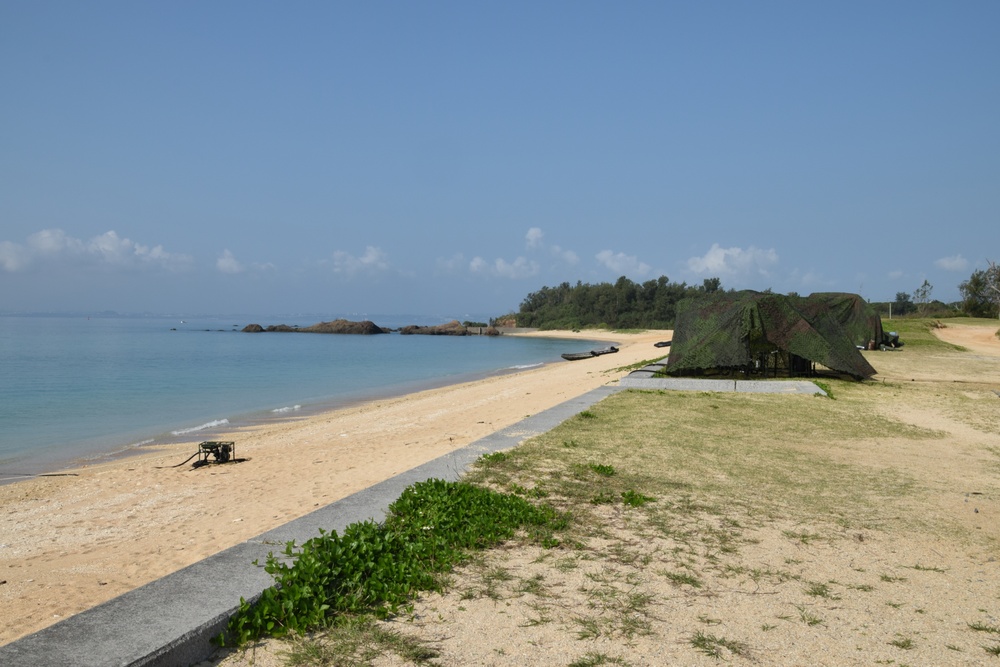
(622, 305)
(653, 304)
(980, 298)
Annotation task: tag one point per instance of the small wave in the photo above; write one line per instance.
(212, 424)
(117, 452)
(521, 367)
(293, 408)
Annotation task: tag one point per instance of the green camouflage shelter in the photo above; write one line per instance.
(764, 334)
(859, 320)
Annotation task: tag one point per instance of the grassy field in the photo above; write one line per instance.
(750, 528)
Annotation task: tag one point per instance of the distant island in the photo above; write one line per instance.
(367, 327)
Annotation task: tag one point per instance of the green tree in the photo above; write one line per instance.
(624, 304)
(902, 305)
(981, 292)
(922, 296)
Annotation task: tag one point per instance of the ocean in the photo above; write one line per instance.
(76, 390)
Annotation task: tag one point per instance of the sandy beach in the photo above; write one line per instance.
(70, 543)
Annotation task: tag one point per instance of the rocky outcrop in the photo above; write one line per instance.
(453, 328)
(333, 327)
(345, 327)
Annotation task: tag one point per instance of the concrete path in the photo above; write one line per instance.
(644, 379)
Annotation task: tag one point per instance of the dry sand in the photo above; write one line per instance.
(70, 543)
(797, 591)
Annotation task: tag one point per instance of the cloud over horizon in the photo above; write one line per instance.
(953, 263)
(373, 260)
(521, 267)
(107, 249)
(719, 261)
(623, 264)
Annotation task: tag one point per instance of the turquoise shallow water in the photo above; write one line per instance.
(75, 389)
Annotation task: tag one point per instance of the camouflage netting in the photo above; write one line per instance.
(859, 320)
(757, 333)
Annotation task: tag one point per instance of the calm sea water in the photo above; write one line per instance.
(74, 389)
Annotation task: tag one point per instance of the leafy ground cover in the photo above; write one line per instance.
(374, 569)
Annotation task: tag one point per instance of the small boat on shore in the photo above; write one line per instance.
(663, 343)
(576, 356)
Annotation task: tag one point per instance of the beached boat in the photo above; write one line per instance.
(576, 356)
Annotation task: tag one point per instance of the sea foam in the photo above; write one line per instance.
(195, 429)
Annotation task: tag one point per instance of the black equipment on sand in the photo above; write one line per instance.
(212, 451)
(222, 452)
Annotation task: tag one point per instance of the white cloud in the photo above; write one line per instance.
(954, 263)
(534, 237)
(895, 275)
(811, 278)
(372, 260)
(623, 264)
(107, 249)
(728, 261)
(54, 242)
(567, 256)
(519, 268)
(451, 264)
(13, 257)
(228, 264)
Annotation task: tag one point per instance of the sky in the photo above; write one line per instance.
(449, 158)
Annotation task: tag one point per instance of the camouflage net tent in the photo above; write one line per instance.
(754, 333)
(859, 320)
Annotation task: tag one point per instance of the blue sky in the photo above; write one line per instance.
(448, 158)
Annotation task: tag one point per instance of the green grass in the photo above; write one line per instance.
(821, 591)
(983, 627)
(597, 659)
(918, 332)
(699, 455)
(357, 642)
(718, 647)
(683, 579)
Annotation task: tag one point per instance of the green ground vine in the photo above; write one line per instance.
(376, 568)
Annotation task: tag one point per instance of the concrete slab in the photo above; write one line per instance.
(641, 380)
(677, 384)
(171, 621)
(778, 387)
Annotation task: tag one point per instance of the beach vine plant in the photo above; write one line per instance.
(378, 568)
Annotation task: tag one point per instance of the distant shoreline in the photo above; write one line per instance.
(81, 421)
